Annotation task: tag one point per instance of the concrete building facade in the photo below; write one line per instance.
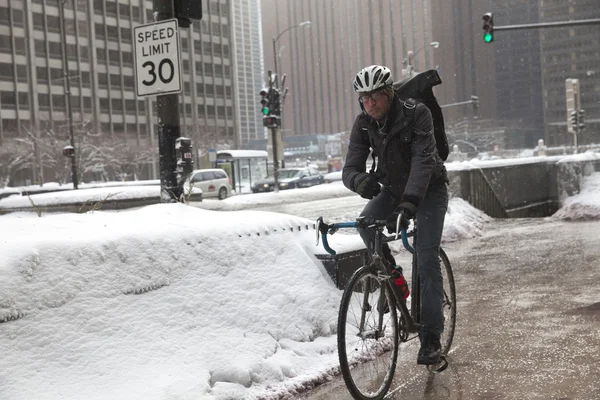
(570, 52)
(344, 36)
(101, 72)
(248, 70)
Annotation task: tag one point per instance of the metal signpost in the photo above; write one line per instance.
(157, 59)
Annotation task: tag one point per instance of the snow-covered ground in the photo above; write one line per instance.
(585, 205)
(176, 302)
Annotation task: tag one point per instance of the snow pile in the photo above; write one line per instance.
(463, 221)
(584, 206)
(318, 192)
(161, 303)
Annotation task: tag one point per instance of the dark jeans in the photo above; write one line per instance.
(430, 218)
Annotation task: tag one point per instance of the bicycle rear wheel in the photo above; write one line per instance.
(449, 305)
(367, 335)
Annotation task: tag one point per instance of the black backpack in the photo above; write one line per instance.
(420, 88)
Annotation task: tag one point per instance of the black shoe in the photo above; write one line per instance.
(431, 350)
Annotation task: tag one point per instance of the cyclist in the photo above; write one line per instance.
(409, 181)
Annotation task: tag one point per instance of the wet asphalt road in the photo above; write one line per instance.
(528, 323)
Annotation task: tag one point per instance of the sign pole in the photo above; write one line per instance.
(167, 110)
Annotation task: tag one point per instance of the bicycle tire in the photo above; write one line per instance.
(449, 306)
(373, 352)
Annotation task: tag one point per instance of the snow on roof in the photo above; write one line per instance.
(243, 153)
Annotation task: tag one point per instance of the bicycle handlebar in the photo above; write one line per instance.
(325, 229)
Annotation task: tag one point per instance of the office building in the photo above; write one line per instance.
(248, 70)
(321, 59)
(101, 73)
(570, 52)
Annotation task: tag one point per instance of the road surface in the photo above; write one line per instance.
(528, 323)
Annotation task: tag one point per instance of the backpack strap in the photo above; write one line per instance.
(409, 109)
(410, 105)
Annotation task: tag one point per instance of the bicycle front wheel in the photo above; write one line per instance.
(449, 305)
(367, 335)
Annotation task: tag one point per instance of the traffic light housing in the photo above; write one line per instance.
(271, 121)
(185, 162)
(186, 11)
(264, 102)
(475, 103)
(574, 121)
(275, 102)
(488, 28)
(581, 120)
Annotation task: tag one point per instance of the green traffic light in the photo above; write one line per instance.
(265, 111)
(487, 37)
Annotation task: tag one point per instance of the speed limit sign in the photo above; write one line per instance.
(157, 58)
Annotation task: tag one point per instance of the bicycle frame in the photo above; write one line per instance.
(412, 317)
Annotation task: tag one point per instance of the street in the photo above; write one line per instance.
(528, 323)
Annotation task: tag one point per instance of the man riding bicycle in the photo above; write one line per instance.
(409, 181)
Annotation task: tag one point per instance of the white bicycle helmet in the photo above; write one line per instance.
(372, 78)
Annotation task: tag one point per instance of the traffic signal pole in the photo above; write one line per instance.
(592, 21)
(167, 110)
(65, 60)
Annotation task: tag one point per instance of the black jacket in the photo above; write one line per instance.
(408, 160)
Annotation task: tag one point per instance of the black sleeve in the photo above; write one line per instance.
(358, 152)
(423, 152)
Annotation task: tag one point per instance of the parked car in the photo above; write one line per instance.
(332, 177)
(290, 178)
(213, 182)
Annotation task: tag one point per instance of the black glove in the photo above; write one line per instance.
(366, 185)
(407, 211)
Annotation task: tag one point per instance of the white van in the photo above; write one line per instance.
(213, 182)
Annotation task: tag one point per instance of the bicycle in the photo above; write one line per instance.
(373, 336)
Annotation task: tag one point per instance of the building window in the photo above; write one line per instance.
(130, 105)
(53, 23)
(55, 50)
(99, 31)
(126, 35)
(20, 47)
(85, 79)
(5, 44)
(113, 56)
(40, 48)
(22, 73)
(43, 101)
(115, 81)
(124, 10)
(104, 105)
(58, 101)
(9, 126)
(6, 71)
(102, 80)
(141, 105)
(128, 81)
(127, 58)
(118, 128)
(24, 100)
(117, 105)
(83, 28)
(87, 103)
(8, 100)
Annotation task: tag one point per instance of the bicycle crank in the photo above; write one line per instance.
(440, 367)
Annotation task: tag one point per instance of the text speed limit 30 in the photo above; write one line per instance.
(157, 58)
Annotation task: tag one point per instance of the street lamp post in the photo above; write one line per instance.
(68, 91)
(275, 39)
(276, 82)
(410, 56)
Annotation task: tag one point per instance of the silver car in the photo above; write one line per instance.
(213, 182)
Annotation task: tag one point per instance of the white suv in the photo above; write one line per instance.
(213, 182)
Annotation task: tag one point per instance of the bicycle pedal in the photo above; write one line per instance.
(439, 367)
